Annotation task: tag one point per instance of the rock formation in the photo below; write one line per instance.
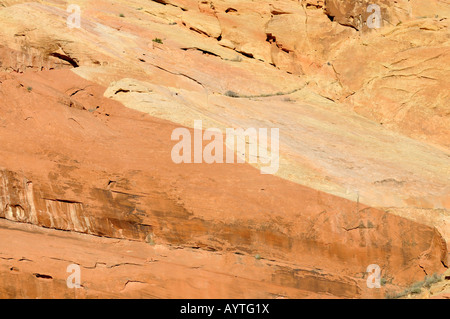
(87, 114)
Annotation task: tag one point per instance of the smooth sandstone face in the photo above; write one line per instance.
(87, 113)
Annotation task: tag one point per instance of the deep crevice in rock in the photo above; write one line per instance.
(66, 58)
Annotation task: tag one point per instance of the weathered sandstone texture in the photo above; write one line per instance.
(87, 178)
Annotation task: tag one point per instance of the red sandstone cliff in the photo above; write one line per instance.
(87, 178)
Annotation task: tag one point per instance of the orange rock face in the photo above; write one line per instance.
(88, 180)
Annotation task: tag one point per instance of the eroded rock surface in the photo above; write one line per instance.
(86, 177)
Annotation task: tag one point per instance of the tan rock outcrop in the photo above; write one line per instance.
(86, 117)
